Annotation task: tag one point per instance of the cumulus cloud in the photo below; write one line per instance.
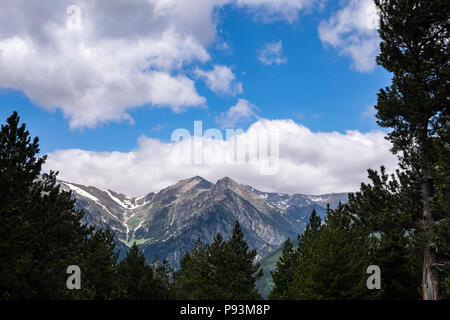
(309, 162)
(96, 62)
(272, 53)
(243, 111)
(220, 80)
(369, 112)
(270, 10)
(353, 32)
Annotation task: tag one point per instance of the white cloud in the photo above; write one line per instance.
(220, 80)
(369, 112)
(270, 10)
(159, 127)
(98, 65)
(272, 53)
(353, 31)
(309, 162)
(123, 55)
(243, 111)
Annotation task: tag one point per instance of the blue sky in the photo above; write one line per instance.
(325, 79)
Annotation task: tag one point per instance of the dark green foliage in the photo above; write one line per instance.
(400, 223)
(331, 259)
(41, 233)
(441, 209)
(99, 266)
(395, 220)
(163, 280)
(376, 227)
(240, 272)
(138, 281)
(387, 210)
(283, 275)
(131, 273)
(293, 260)
(415, 49)
(268, 263)
(220, 270)
(192, 281)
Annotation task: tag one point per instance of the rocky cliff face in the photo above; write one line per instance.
(167, 223)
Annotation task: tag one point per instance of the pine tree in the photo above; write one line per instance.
(241, 273)
(40, 229)
(41, 233)
(135, 277)
(193, 280)
(221, 270)
(218, 267)
(377, 226)
(311, 229)
(441, 209)
(163, 288)
(283, 274)
(386, 211)
(18, 169)
(331, 260)
(137, 280)
(415, 49)
(99, 265)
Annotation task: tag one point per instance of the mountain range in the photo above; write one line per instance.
(168, 222)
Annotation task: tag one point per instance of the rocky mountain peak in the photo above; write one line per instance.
(227, 182)
(201, 183)
(185, 185)
(168, 222)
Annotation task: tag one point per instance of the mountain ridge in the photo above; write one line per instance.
(168, 222)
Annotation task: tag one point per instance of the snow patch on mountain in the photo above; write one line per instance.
(81, 192)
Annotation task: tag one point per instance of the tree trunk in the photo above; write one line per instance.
(430, 273)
